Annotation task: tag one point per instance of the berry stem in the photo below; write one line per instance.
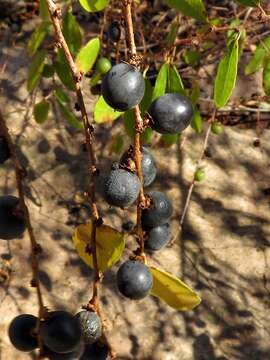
(35, 247)
(138, 125)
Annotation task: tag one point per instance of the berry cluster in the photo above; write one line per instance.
(123, 88)
(64, 336)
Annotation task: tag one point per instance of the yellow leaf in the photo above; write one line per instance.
(110, 245)
(173, 291)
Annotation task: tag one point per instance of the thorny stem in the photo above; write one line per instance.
(138, 126)
(35, 247)
(55, 15)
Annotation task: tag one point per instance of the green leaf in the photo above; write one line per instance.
(72, 32)
(48, 71)
(173, 291)
(226, 75)
(35, 70)
(168, 140)
(37, 37)
(129, 124)
(256, 62)
(192, 8)
(43, 10)
(116, 144)
(196, 122)
(41, 111)
(174, 83)
(147, 98)
(251, 3)
(171, 36)
(109, 243)
(104, 113)
(63, 71)
(266, 77)
(192, 57)
(88, 55)
(195, 93)
(93, 5)
(61, 96)
(161, 81)
(69, 116)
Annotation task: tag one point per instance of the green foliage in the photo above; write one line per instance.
(61, 96)
(196, 122)
(257, 60)
(88, 55)
(192, 57)
(63, 71)
(171, 36)
(226, 75)
(93, 5)
(68, 115)
(35, 70)
(266, 77)
(252, 3)
(174, 81)
(37, 38)
(48, 71)
(161, 81)
(41, 111)
(168, 140)
(192, 8)
(72, 33)
(43, 11)
(117, 144)
(104, 113)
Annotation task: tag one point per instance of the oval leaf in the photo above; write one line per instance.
(63, 71)
(104, 113)
(173, 291)
(161, 81)
(37, 37)
(110, 245)
(72, 32)
(35, 70)
(256, 62)
(251, 3)
(266, 78)
(41, 111)
(175, 83)
(93, 5)
(88, 55)
(192, 8)
(196, 122)
(226, 75)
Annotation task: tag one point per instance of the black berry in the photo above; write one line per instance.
(12, 223)
(21, 332)
(61, 332)
(73, 355)
(123, 87)
(95, 351)
(114, 31)
(121, 188)
(157, 237)
(159, 212)
(4, 150)
(171, 113)
(149, 169)
(91, 326)
(134, 280)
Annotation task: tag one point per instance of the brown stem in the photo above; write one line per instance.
(55, 15)
(35, 247)
(138, 127)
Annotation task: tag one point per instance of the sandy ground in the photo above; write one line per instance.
(223, 252)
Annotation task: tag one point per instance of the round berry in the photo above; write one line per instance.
(4, 150)
(123, 87)
(91, 326)
(73, 355)
(121, 188)
(157, 237)
(21, 332)
(149, 169)
(114, 31)
(159, 212)
(171, 113)
(199, 175)
(12, 223)
(95, 351)
(103, 65)
(216, 128)
(61, 332)
(134, 280)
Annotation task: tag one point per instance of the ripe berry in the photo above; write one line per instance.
(90, 325)
(157, 237)
(21, 332)
(73, 355)
(171, 113)
(114, 31)
(61, 332)
(134, 280)
(12, 223)
(4, 150)
(159, 212)
(103, 65)
(95, 351)
(121, 188)
(149, 169)
(123, 87)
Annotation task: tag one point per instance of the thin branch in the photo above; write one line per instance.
(138, 125)
(35, 247)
